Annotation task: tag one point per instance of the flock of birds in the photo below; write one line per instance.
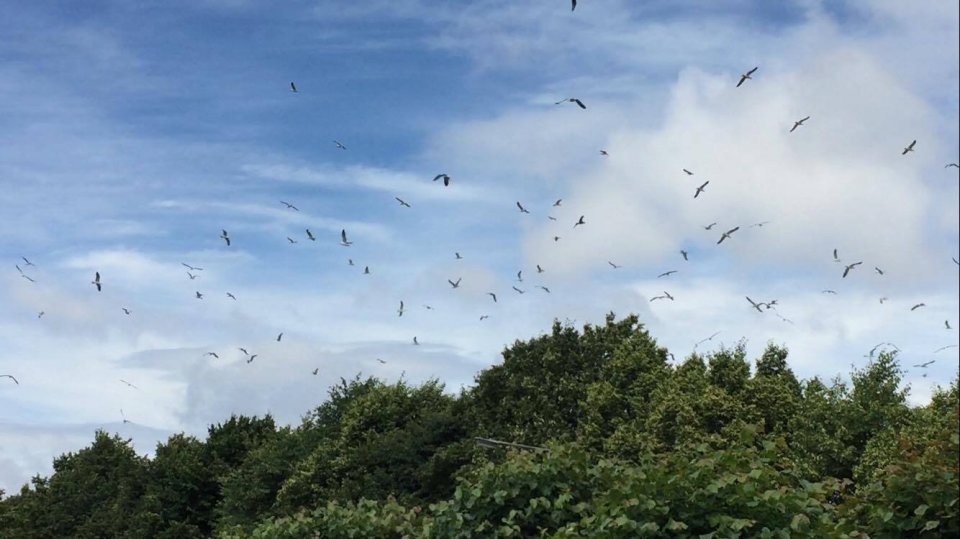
(727, 235)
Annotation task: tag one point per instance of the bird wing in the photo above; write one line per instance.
(580, 104)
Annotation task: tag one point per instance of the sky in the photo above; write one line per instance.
(133, 133)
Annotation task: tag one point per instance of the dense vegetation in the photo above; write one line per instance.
(635, 447)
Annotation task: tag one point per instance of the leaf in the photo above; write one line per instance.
(921, 509)
(931, 524)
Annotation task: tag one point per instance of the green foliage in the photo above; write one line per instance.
(638, 448)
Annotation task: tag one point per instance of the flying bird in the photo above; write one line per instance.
(27, 262)
(343, 238)
(310, 235)
(666, 273)
(878, 270)
(798, 123)
(315, 371)
(545, 289)
(339, 146)
(909, 148)
(829, 292)
(760, 224)
(700, 189)
(572, 100)
(293, 87)
(517, 290)
(382, 362)
(199, 295)
(520, 276)
(457, 256)
(40, 314)
(755, 304)
(539, 269)
(96, 281)
(614, 266)
(125, 420)
(687, 171)
(400, 310)
(847, 269)
(231, 296)
(455, 284)
(225, 237)
(701, 341)
(883, 299)
(917, 306)
(444, 177)
(925, 365)
(522, 209)
(604, 153)
(557, 203)
(415, 341)
(835, 257)
(251, 358)
(942, 348)
(402, 203)
(711, 225)
(684, 253)
(290, 206)
(484, 317)
(191, 268)
(129, 384)
(350, 261)
(244, 350)
(214, 354)
(192, 276)
(280, 336)
(125, 310)
(727, 234)
(573, 5)
(954, 165)
(10, 376)
(745, 76)
(291, 240)
(492, 295)
(366, 270)
(946, 324)
(27, 277)
(580, 222)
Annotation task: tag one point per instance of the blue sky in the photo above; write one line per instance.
(132, 133)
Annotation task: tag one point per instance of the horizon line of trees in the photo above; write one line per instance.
(635, 447)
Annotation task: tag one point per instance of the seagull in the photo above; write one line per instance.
(580, 222)
(573, 5)
(909, 148)
(280, 336)
(829, 292)
(687, 171)
(614, 266)
(339, 146)
(231, 296)
(684, 253)
(415, 341)
(315, 371)
(291, 240)
(27, 262)
(520, 276)
(455, 284)
(942, 348)
(402, 203)
(700, 189)
(492, 295)
(711, 225)
(225, 237)
(710, 338)
(604, 152)
(556, 238)
(522, 209)
(883, 299)
(125, 310)
(199, 295)
(954, 165)
(457, 256)
(835, 257)
(666, 273)
(760, 224)
(955, 261)
(745, 76)
(290, 206)
(484, 317)
(10, 376)
(446, 179)
(557, 203)
(798, 123)
(655, 298)
(572, 100)
(382, 362)
(874, 349)
(517, 290)
(727, 234)
(427, 307)
(191, 268)
(917, 306)
(878, 270)
(925, 365)
(400, 310)
(125, 420)
(244, 350)
(667, 295)
(40, 314)
(129, 384)
(310, 235)
(545, 289)
(847, 269)
(366, 270)
(552, 218)
(251, 358)
(350, 261)
(96, 281)
(946, 324)
(343, 238)
(27, 277)
(192, 276)
(755, 304)
(293, 87)
(214, 354)
(539, 269)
